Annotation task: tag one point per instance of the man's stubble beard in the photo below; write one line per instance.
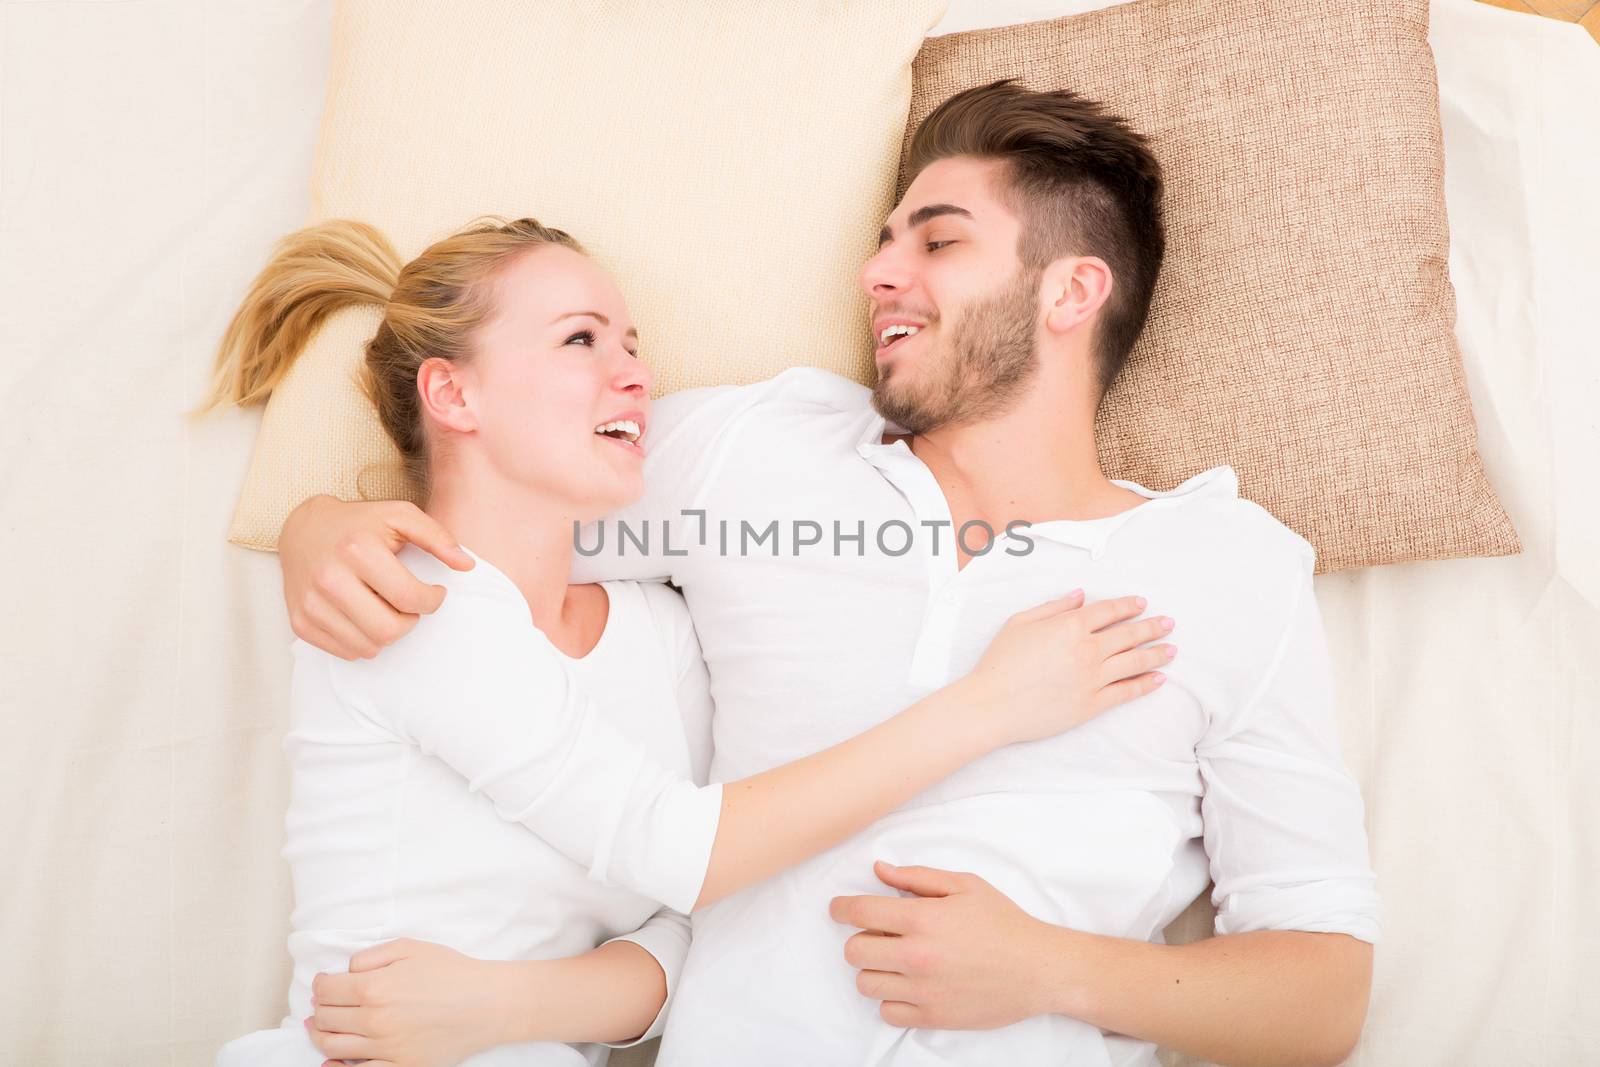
(990, 357)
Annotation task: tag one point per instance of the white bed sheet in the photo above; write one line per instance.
(150, 152)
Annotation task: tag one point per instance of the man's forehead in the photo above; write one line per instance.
(960, 187)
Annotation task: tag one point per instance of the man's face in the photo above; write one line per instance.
(947, 269)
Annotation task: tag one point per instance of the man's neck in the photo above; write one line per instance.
(1027, 464)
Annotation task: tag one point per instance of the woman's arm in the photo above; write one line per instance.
(478, 687)
(665, 938)
(1067, 664)
(418, 1004)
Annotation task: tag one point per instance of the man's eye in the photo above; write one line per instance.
(586, 335)
(934, 246)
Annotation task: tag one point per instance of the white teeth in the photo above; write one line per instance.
(895, 331)
(627, 427)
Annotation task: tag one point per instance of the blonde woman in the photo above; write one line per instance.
(521, 777)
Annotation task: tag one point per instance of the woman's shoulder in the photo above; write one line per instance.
(664, 613)
(481, 627)
(426, 567)
(476, 597)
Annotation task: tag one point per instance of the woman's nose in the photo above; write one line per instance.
(633, 376)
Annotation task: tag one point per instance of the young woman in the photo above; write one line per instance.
(505, 370)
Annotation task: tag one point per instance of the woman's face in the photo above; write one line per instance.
(555, 395)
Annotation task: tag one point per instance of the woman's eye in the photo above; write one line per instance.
(934, 246)
(586, 335)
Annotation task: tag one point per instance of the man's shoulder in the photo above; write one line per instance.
(818, 388)
(798, 411)
(1246, 536)
(1229, 554)
(803, 388)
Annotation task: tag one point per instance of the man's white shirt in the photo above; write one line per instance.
(819, 568)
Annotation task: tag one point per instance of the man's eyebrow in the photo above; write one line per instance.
(921, 215)
(593, 315)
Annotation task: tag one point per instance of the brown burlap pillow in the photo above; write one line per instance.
(1303, 326)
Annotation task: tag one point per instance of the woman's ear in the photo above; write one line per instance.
(1076, 287)
(439, 386)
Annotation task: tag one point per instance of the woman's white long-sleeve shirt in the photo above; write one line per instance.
(418, 775)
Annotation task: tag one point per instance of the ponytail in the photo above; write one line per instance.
(313, 273)
(432, 307)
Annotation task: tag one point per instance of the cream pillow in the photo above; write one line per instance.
(730, 163)
(1303, 326)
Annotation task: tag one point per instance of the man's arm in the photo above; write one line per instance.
(1288, 977)
(962, 956)
(1268, 998)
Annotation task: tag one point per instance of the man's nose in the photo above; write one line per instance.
(884, 274)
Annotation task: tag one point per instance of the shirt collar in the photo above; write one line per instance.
(1095, 534)
(1091, 534)
(871, 439)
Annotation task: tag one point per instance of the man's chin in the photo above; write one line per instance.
(892, 400)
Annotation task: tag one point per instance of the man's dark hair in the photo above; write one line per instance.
(1082, 182)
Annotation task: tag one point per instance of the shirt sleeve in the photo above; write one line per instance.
(665, 935)
(646, 540)
(478, 686)
(1284, 820)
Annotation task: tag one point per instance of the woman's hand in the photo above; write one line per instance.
(410, 1004)
(346, 591)
(1062, 663)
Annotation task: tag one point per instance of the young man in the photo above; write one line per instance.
(843, 552)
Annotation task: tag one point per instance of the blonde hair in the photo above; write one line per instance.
(431, 308)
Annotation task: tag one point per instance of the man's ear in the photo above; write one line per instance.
(1075, 288)
(439, 387)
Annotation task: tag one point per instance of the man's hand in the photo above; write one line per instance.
(958, 956)
(407, 1004)
(347, 593)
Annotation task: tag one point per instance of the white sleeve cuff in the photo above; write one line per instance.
(1337, 906)
(666, 937)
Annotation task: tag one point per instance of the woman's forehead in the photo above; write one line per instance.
(553, 281)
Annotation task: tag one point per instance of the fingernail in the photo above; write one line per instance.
(1139, 600)
(1076, 592)
(307, 1023)
(1166, 624)
(1172, 650)
(1159, 677)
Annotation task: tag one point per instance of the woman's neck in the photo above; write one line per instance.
(527, 538)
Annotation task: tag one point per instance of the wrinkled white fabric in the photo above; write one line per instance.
(418, 775)
(819, 565)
